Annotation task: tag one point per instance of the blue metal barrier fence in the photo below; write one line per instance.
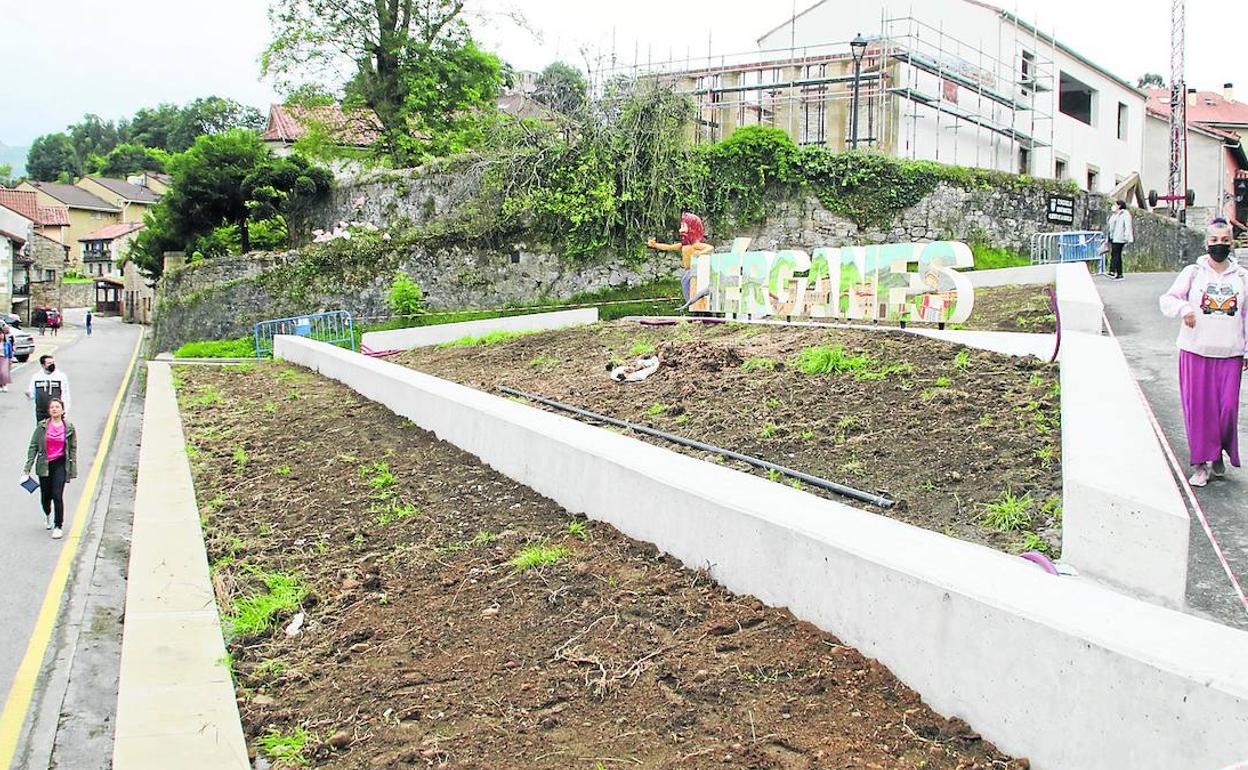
(1072, 246)
(334, 327)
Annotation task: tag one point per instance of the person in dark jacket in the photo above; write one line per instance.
(53, 457)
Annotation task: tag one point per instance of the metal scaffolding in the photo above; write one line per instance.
(995, 105)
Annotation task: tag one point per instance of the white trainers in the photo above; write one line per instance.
(1219, 469)
(47, 521)
(1201, 476)
(56, 534)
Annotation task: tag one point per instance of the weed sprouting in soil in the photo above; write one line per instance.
(282, 470)
(1008, 512)
(205, 398)
(808, 435)
(1033, 542)
(380, 479)
(821, 359)
(1046, 455)
(192, 452)
(774, 475)
(681, 419)
(883, 372)
(538, 556)
(657, 409)
(1051, 510)
(797, 484)
(269, 668)
(641, 348)
(240, 455)
(544, 362)
(962, 361)
(758, 365)
(287, 748)
(578, 528)
(270, 406)
(943, 382)
(257, 613)
(769, 431)
(773, 403)
(395, 512)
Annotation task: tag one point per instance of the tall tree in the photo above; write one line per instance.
(375, 44)
(211, 115)
(53, 157)
(6, 175)
(152, 126)
(1151, 80)
(94, 136)
(562, 88)
(130, 158)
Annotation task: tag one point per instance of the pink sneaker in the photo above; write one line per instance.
(1201, 476)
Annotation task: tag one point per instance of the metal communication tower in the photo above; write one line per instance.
(1178, 105)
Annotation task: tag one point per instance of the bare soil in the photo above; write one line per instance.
(944, 431)
(1013, 309)
(425, 647)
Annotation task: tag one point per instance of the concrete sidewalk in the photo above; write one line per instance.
(1148, 340)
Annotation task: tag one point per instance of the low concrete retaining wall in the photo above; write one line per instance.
(425, 336)
(1065, 672)
(175, 701)
(1078, 300)
(1012, 276)
(1123, 519)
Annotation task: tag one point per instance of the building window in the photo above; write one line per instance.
(1122, 121)
(1077, 99)
(1024, 160)
(49, 275)
(1028, 73)
(1094, 176)
(1059, 170)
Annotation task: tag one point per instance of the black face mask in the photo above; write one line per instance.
(50, 368)
(1220, 251)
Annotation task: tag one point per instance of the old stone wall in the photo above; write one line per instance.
(225, 297)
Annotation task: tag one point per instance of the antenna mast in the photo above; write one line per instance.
(1178, 105)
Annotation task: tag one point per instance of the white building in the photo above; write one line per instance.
(955, 81)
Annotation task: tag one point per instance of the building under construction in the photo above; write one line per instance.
(959, 82)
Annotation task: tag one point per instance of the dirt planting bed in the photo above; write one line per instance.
(967, 442)
(1012, 309)
(452, 618)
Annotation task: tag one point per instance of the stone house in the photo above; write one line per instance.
(138, 295)
(104, 249)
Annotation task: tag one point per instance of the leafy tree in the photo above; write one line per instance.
(1151, 80)
(396, 50)
(153, 126)
(128, 159)
(446, 92)
(211, 115)
(94, 136)
(6, 175)
(52, 157)
(223, 186)
(562, 88)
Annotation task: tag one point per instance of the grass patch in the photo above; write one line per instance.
(207, 397)
(538, 556)
(255, 614)
(883, 372)
(242, 347)
(240, 455)
(1008, 513)
(492, 338)
(992, 258)
(1033, 542)
(282, 470)
(286, 748)
(395, 513)
(640, 348)
(828, 360)
(758, 365)
(544, 362)
(962, 361)
(769, 431)
(380, 479)
(657, 409)
(578, 528)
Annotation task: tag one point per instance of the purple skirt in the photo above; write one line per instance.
(1209, 388)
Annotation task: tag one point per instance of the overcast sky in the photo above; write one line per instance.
(70, 57)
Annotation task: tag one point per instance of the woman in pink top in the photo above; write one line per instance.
(53, 456)
(1211, 297)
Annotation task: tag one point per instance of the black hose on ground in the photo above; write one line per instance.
(757, 462)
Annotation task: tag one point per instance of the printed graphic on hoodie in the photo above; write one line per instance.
(1219, 299)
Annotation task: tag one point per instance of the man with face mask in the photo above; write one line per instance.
(1211, 297)
(46, 384)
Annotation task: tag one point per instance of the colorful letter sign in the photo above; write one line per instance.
(888, 282)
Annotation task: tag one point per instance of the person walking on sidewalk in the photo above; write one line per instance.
(1120, 231)
(88, 323)
(6, 357)
(53, 457)
(47, 384)
(1211, 297)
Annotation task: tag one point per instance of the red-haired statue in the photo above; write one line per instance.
(690, 247)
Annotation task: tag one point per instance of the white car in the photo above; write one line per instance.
(23, 342)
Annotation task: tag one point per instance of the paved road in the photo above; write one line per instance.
(1147, 338)
(95, 366)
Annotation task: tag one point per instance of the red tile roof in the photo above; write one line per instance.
(355, 128)
(24, 202)
(1208, 107)
(112, 231)
(53, 216)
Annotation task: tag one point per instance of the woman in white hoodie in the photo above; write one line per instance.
(1211, 297)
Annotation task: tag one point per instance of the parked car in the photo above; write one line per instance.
(48, 317)
(23, 342)
(11, 319)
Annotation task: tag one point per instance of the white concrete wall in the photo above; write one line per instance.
(1206, 165)
(1030, 275)
(1123, 520)
(425, 336)
(1078, 301)
(1069, 674)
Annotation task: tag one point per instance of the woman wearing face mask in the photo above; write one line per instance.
(1120, 233)
(53, 456)
(1211, 297)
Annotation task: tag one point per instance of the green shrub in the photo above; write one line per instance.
(405, 296)
(243, 347)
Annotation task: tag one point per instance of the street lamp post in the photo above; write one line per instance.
(858, 47)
